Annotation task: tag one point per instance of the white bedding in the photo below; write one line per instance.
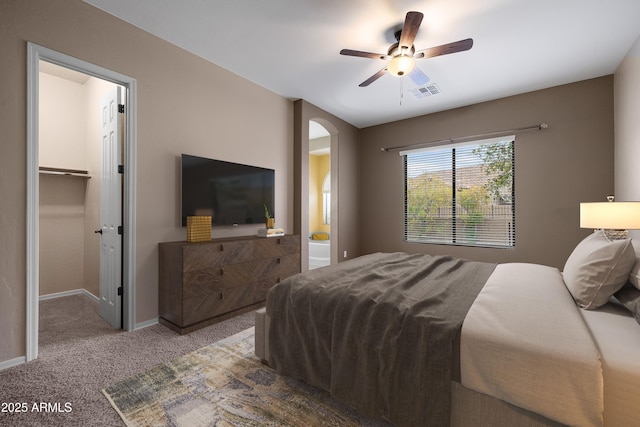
(617, 335)
(525, 341)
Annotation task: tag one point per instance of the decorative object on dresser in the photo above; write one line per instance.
(270, 221)
(204, 283)
(198, 228)
(270, 232)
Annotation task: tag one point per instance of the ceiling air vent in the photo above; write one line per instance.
(425, 91)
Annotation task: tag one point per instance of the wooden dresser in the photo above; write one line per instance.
(204, 283)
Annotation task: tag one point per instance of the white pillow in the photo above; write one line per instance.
(598, 268)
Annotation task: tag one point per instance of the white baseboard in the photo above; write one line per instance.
(147, 323)
(12, 362)
(69, 293)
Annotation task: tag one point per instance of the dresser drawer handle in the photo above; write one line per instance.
(222, 272)
(278, 261)
(221, 295)
(221, 247)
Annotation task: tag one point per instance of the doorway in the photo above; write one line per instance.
(319, 196)
(37, 55)
(80, 190)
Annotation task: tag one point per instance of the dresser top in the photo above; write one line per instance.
(222, 240)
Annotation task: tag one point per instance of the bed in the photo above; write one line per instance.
(396, 336)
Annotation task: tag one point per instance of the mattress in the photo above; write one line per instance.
(617, 336)
(524, 341)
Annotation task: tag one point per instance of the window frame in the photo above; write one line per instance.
(326, 199)
(454, 238)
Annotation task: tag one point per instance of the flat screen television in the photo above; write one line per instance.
(231, 193)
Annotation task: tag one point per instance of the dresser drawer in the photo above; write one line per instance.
(203, 307)
(210, 255)
(268, 247)
(280, 267)
(210, 280)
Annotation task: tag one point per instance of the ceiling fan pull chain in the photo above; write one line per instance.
(401, 91)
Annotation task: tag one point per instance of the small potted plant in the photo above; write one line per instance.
(270, 221)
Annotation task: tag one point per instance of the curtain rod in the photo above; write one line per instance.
(466, 138)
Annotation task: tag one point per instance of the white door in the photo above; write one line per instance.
(111, 211)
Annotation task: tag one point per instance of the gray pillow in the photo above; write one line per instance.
(597, 268)
(629, 296)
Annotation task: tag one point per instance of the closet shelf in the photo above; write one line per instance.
(65, 172)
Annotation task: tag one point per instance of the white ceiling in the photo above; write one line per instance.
(291, 46)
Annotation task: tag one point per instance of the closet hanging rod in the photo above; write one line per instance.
(465, 138)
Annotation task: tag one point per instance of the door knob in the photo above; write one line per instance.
(98, 231)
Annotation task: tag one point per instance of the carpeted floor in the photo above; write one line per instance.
(80, 354)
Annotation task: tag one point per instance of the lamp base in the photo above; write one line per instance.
(616, 234)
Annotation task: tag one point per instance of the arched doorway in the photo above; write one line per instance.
(319, 196)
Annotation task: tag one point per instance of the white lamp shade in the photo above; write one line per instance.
(610, 215)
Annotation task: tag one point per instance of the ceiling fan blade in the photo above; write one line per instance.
(410, 29)
(350, 52)
(445, 49)
(418, 76)
(373, 78)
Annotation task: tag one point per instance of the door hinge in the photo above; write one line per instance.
(120, 229)
(120, 108)
(120, 168)
(120, 291)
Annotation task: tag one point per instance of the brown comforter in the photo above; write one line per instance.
(377, 332)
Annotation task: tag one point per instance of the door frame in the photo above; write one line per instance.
(35, 53)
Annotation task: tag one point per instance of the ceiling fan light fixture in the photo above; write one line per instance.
(401, 65)
(402, 55)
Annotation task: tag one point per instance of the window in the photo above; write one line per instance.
(461, 194)
(326, 199)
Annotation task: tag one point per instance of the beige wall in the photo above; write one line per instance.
(185, 105)
(62, 118)
(556, 169)
(627, 128)
(61, 233)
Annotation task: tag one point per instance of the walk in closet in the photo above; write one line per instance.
(69, 180)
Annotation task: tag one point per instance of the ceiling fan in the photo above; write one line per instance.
(402, 55)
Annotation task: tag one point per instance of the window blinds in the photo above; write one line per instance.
(461, 194)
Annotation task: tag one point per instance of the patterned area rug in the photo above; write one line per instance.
(224, 384)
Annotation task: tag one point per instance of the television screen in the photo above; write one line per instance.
(231, 193)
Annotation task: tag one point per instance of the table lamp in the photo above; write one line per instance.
(615, 218)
